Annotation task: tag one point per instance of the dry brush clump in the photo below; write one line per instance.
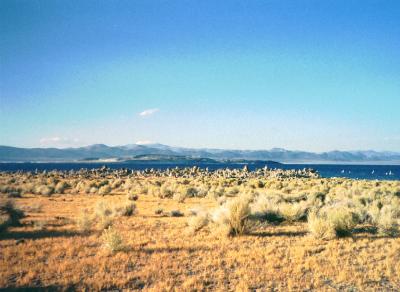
(40, 224)
(10, 215)
(167, 190)
(176, 213)
(232, 218)
(180, 196)
(273, 199)
(319, 226)
(386, 220)
(11, 191)
(132, 196)
(273, 210)
(105, 190)
(264, 205)
(44, 190)
(292, 212)
(61, 187)
(332, 221)
(103, 213)
(85, 221)
(112, 240)
(333, 208)
(198, 219)
(125, 209)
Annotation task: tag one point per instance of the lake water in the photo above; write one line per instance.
(373, 172)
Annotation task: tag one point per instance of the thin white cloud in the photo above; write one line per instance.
(144, 142)
(392, 138)
(148, 112)
(59, 141)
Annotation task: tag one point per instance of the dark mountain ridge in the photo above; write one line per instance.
(128, 152)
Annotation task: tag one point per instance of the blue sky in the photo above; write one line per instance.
(306, 75)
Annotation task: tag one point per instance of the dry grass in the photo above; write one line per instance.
(160, 254)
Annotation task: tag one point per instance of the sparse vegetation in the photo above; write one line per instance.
(61, 187)
(112, 240)
(198, 221)
(180, 197)
(84, 221)
(105, 190)
(290, 228)
(319, 226)
(232, 218)
(292, 212)
(40, 224)
(45, 190)
(176, 213)
(127, 209)
(332, 221)
(132, 197)
(10, 215)
(388, 221)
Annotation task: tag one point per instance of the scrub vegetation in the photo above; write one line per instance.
(191, 229)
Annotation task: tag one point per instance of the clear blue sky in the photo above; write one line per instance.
(307, 75)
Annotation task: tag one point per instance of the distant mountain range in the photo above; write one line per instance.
(137, 152)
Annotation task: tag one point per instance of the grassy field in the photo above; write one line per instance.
(218, 231)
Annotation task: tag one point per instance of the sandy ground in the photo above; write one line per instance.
(162, 255)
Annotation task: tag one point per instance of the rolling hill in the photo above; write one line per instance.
(128, 152)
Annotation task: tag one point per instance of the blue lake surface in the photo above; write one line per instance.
(372, 172)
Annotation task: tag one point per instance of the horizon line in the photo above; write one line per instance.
(206, 148)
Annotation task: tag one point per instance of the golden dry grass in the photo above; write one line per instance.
(162, 253)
